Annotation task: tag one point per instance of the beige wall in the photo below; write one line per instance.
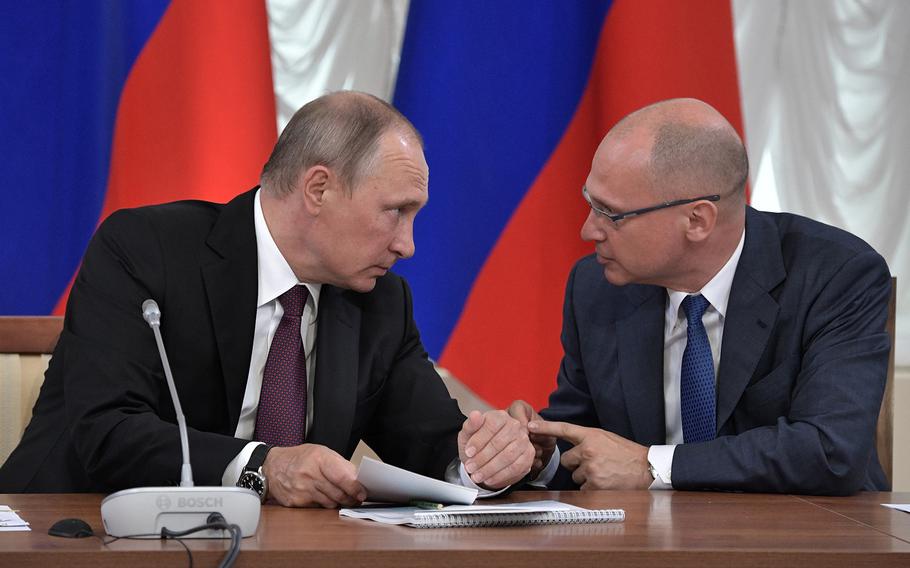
(902, 429)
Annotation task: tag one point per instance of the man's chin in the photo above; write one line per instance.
(365, 280)
(615, 276)
(363, 285)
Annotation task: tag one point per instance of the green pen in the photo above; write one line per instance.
(424, 504)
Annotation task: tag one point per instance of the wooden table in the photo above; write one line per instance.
(671, 529)
(866, 509)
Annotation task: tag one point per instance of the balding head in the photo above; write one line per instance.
(340, 131)
(657, 171)
(692, 150)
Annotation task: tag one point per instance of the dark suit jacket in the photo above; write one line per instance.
(801, 374)
(104, 419)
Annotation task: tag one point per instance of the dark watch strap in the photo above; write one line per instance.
(257, 458)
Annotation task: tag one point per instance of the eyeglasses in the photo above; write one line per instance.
(617, 217)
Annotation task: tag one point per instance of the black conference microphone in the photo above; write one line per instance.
(145, 511)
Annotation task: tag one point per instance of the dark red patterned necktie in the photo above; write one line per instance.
(281, 418)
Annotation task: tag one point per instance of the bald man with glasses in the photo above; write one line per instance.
(708, 345)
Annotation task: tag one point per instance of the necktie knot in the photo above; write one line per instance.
(695, 307)
(293, 301)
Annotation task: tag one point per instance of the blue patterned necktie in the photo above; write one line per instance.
(697, 400)
(281, 417)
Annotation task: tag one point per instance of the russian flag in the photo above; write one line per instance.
(512, 98)
(118, 104)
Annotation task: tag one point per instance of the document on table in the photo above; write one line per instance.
(389, 484)
(900, 507)
(11, 521)
(512, 514)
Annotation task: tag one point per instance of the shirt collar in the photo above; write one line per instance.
(716, 291)
(275, 274)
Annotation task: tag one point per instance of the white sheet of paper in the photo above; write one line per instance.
(899, 507)
(387, 483)
(10, 521)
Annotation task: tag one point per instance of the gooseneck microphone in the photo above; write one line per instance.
(160, 512)
(152, 315)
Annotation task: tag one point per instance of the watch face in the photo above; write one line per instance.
(252, 480)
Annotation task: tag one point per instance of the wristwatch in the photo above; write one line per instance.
(252, 476)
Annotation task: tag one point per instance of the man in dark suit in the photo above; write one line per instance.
(289, 339)
(685, 280)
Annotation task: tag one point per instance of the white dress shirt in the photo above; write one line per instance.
(717, 292)
(275, 278)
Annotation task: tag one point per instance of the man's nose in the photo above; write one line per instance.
(591, 229)
(403, 244)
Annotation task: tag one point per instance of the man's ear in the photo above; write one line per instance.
(313, 187)
(701, 221)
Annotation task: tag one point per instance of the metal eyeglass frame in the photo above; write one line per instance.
(617, 217)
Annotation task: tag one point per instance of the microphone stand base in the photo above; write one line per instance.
(142, 512)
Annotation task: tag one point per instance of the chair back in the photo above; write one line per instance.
(884, 433)
(26, 344)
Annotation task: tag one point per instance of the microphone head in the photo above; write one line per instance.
(150, 312)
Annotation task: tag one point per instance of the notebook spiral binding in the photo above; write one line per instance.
(455, 520)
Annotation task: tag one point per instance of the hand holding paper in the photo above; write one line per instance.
(311, 475)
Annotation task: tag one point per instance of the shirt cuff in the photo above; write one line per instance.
(233, 470)
(547, 474)
(456, 474)
(661, 460)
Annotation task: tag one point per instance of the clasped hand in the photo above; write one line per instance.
(494, 449)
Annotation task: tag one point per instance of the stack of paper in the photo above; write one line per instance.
(11, 521)
(386, 483)
(512, 514)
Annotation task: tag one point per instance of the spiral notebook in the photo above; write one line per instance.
(512, 514)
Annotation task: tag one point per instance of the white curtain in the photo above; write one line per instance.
(320, 46)
(825, 87)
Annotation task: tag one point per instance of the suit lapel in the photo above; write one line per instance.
(231, 283)
(335, 387)
(639, 343)
(751, 312)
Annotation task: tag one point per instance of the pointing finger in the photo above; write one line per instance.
(562, 430)
(522, 411)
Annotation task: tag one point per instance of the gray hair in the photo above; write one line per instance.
(712, 158)
(340, 131)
